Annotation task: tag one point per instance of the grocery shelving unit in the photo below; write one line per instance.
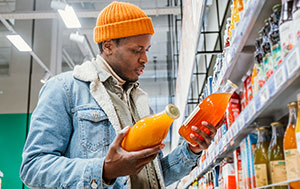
(279, 183)
(270, 103)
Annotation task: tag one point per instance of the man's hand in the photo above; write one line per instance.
(118, 162)
(202, 144)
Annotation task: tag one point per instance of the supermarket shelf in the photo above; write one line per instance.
(240, 58)
(269, 104)
(279, 183)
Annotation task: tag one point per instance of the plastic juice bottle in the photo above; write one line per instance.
(287, 38)
(296, 18)
(241, 8)
(261, 162)
(274, 37)
(266, 45)
(150, 131)
(298, 129)
(212, 109)
(290, 147)
(276, 156)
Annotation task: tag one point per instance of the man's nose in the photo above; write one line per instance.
(143, 57)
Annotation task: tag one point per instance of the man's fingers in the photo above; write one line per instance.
(142, 154)
(212, 129)
(121, 135)
(145, 161)
(201, 133)
(200, 142)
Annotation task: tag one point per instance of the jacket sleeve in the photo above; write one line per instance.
(178, 163)
(44, 164)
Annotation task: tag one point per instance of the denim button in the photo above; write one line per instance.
(94, 184)
(95, 115)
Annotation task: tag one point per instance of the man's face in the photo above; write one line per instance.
(128, 58)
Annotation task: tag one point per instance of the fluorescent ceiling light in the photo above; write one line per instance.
(55, 4)
(45, 78)
(19, 43)
(77, 37)
(69, 17)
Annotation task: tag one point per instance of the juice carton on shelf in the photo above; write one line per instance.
(229, 176)
(245, 168)
(238, 167)
(233, 109)
(252, 141)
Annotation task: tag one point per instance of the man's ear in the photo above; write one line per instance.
(107, 47)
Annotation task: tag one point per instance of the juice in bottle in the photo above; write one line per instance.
(298, 129)
(276, 156)
(211, 110)
(150, 131)
(287, 38)
(261, 162)
(290, 147)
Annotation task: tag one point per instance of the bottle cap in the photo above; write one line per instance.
(261, 128)
(172, 111)
(292, 104)
(276, 123)
(232, 84)
(276, 6)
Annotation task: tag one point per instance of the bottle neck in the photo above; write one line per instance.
(277, 131)
(292, 115)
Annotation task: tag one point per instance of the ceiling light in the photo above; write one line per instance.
(58, 4)
(19, 43)
(69, 17)
(76, 37)
(45, 77)
(1, 92)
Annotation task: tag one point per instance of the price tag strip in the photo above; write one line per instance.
(264, 95)
(251, 110)
(293, 62)
(280, 77)
(241, 121)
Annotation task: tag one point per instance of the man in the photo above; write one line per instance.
(82, 117)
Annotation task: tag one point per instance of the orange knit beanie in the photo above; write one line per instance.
(119, 20)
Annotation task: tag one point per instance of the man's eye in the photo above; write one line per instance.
(136, 51)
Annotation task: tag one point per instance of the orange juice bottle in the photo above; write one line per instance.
(150, 131)
(211, 110)
(290, 147)
(298, 130)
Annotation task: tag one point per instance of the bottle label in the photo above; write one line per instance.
(296, 20)
(298, 145)
(298, 141)
(287, 38)
(292, 167)
(195, 111)
(261, 176)
(278, 171)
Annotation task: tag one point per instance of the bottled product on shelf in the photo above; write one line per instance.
(276, 155)
(211, 109)
(233, 109)
(261, 162)
(150, 131)
(290, 147)
(269, 150)
(298, 129)
(287, 38)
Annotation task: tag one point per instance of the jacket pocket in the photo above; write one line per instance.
(94, 129)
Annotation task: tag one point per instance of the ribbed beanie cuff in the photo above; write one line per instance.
(120, 20)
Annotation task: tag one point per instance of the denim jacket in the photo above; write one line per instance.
(71, 130)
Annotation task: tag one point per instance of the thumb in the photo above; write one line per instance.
(121, 135)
